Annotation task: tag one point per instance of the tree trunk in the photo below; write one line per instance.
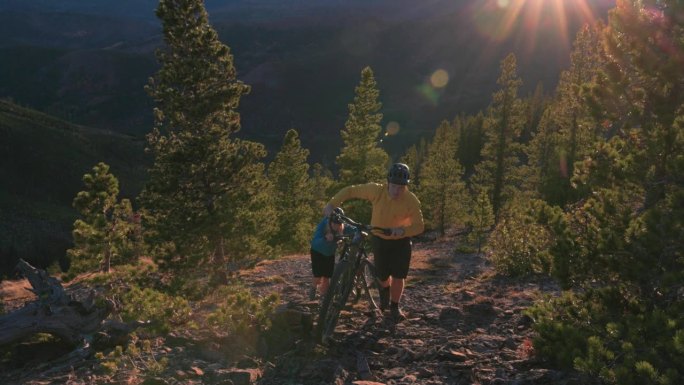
(53, 312)
(105, 267)
(219, 275)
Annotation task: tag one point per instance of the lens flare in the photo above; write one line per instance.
(497, 19)
(439, 78)
(527, 21)
(429, 93)
(392, 128)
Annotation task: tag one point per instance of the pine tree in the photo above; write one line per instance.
(442, 189)
(501, 152)
(207, 189)
(622, 245)
(641, 89)
(321, 183)
(104, 230)
(471, 142)
(481, 218)
(578, 128)
(414, 158)
(289, 173)
(547, 161)
(568, 132)
(640, 164)
(247, 213)
(535, 105)
(361, 160)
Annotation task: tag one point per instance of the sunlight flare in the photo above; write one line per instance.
(429, 93)
(562, 19)
(439, 78)
(539, 19)
(392, 128)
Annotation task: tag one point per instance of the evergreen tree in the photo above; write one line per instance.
(289, 173)
(361, 160)
(546, 160)
(411, 158)
(622, 245)
(481, 218)
(642, 162)
(248, 213)
(501, 152)
(414, 157)
(641, 89)
(105, 228)
(471, 142)
(321, 183)
(535, 105)
(207, 189)
(442, 189)
(568, 132)
(577, 127)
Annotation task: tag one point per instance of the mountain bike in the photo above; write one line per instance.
(354, 275)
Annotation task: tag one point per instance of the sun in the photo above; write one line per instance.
(531, 19)
(539, 32)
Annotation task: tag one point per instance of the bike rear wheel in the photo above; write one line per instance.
(335, 298)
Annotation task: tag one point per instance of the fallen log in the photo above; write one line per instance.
(53, 312)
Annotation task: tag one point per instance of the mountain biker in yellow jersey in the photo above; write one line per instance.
(398, 209)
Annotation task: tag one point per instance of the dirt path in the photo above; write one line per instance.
(465, 326)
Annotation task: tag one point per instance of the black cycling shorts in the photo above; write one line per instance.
(322, 265)
(392, 257)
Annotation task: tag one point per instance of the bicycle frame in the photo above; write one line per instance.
(350, 272)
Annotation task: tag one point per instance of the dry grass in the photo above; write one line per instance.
(15, 293)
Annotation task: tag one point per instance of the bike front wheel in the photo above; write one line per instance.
(335, 298)
(371, 284)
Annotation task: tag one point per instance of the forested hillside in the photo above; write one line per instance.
(42, 161)
(578, 193)
(88, 62)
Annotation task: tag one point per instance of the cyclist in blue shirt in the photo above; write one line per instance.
(323, 247)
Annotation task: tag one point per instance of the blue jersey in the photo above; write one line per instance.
(323, 246)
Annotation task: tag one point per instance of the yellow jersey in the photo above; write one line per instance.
(387, 212)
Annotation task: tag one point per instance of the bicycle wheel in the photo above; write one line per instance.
(361, 282)
(371, 284)
(359, 287)
(334, 300)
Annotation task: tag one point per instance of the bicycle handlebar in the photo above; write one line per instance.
(369, 228)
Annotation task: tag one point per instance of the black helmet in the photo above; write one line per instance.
(399, 174)
(336, 215)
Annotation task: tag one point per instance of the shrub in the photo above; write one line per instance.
(240, 313)
(605, 334)
(161, 310)
(138, 357)
(519, 245)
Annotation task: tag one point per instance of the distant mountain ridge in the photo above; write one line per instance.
(88, 62)
(42, 161)
(302, 59)
(140, 9)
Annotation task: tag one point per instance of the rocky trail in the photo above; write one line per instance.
(465, 325)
